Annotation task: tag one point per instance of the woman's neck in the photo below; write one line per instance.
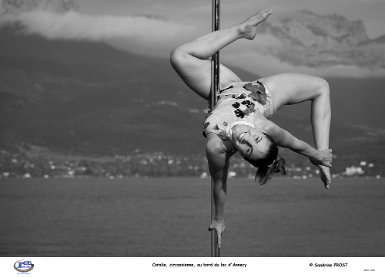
(260, 123)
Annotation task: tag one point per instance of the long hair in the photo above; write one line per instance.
(268, 166)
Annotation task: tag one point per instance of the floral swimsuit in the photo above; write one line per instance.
(238, 101)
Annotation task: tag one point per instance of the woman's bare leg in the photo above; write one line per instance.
(191, 59)
(293, 88)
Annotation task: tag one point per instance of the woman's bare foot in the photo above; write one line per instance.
(248, 28)
(325, 176)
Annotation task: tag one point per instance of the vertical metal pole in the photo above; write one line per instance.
(215, 250)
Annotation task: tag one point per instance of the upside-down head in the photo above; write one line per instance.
(257, 147)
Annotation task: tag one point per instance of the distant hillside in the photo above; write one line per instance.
(88, 98)
(82, 95)
(311, 39)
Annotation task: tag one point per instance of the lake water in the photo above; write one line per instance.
(169, 217)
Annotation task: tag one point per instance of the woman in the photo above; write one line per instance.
(239, 121)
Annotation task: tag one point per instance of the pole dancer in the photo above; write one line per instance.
(240, 121)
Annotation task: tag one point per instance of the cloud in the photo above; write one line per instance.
(262, 61)
(156, 36)
(73, 25)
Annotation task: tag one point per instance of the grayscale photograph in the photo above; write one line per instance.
(179, 128)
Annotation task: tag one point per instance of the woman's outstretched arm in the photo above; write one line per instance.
(283, 138)
(218, 161)
(321, 158)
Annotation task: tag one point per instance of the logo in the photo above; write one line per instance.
(23, 266)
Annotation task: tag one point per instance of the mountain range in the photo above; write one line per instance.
(88, 98)
(310, 39)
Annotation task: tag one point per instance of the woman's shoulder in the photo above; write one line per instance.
(216, 145)
(218, 154)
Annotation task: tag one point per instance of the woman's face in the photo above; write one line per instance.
(250, 142)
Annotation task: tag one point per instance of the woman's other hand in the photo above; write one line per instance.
(325, 158)
(324, 162)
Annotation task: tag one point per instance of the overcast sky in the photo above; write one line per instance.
(198, 12)
(154, 27)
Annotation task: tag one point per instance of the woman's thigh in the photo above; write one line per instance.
(292, 88)
(196, 73)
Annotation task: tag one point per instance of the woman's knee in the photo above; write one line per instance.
(177, 56)
(324, 88)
